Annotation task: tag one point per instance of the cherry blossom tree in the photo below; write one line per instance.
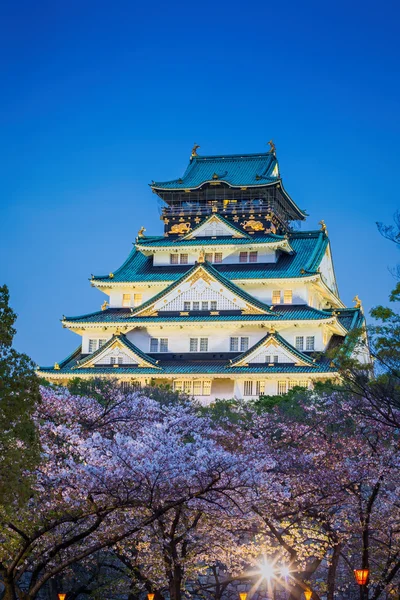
(107, 473)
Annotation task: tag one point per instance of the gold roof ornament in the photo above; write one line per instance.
(104, 306)
(358, 303)
(323, 227)
(202, 257)
(111, 275)
(56, 367)
(194, 150)
(272, 147)
(141, 232)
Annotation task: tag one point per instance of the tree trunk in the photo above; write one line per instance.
(332, 572)
(9, 589)
(175, 583)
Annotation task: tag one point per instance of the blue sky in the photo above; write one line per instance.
(100, 98)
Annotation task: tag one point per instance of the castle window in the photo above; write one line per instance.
(218, 257)
(203, 344)
(187, 387)
(248, 388)
(292, 383)
(137, 299)
(288, 297)
(204, 306)
(102, 342)
(253, 257)
(163, 345)
(92, 346)
(244, 344)
(178, 386)
(213, 305)
(197, 388)
(184, 259)
(310, 343)
(158, 345)
(276, 358)
(234, 344)
(299, 343)
(116, 360)
(268, 358)
(196, 305)
(282, 388)
(173, 259)
(276, 297)
(206, 387)
(126, 300)
(209, 256)
(195, 344)
(243, 257)
(260, 387)
(186, 306)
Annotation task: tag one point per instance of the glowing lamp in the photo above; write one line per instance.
(243, 595)
(61, 596)
(361, 576)
(150, 596)
(307, 594)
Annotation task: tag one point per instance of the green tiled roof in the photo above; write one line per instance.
(209, 241)
(236, 170)
(282, 342)
(288, 312)
(308, 249)
(220, 278)
(194, 368)
(350, 318)
(125, 342)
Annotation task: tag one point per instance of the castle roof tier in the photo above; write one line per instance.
(239, 186)
(229, 302)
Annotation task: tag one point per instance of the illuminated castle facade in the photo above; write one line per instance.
(231, 302)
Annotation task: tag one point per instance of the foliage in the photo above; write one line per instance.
(19, 394)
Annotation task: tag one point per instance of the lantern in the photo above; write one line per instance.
(150, 596)
(361, 576)
(307, 594)
(61, 596)
(243, 595)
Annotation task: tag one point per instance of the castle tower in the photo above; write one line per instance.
(231, 301)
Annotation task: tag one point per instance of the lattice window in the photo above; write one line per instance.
(209, 256)
(276, 297)
(126, 300)
(163, 345)
(248, 388)
(197, 388)
(244, 344)
(268, 358)
(218, 257)
(184, 259)
(276, 358)
(193, 344)
(310, 343)
(92, 346)
(253, 256)
(173, 259)
(288, 297)
(260, 388)
(102, 342)
(204, 306)
(187, 387)
(243, 257)
(282, 388)
(206, 387)
(186, 306)
(234, 344)
(196, 305)
(137, 299)
(213, 305)
(299, 343)
(203, 344)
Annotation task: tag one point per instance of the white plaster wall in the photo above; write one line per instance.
(218, 336)
(147, 292)
(327, 272)
(263, 290)
(229, 256)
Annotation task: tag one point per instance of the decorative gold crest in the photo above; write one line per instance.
(200, 274)
(253, 225)
(180, 228)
